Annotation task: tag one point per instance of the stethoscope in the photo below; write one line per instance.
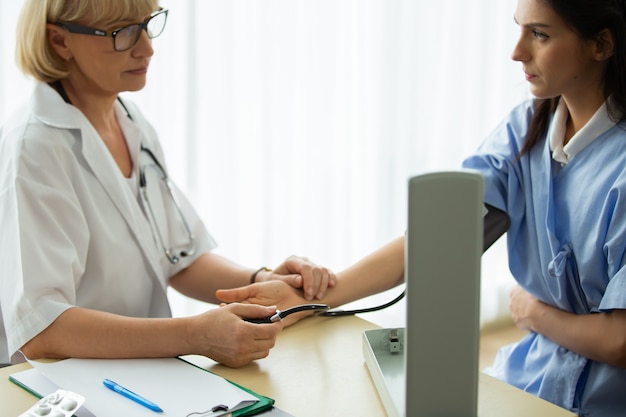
(323, 310)
(173, 256)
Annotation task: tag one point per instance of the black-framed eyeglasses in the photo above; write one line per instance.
(155, 170)
(125, 37)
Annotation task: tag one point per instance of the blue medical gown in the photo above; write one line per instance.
(566, 246)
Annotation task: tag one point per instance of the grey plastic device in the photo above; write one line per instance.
(384, 350)
(443, 251)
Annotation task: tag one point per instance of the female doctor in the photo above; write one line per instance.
(556, 165)
(93, 230)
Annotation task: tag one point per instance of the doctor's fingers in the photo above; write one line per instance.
(220, 326)
(316, 280)
(313, 279)
(240, 352)
(267, 293)
(251, 311)
(228, 339)
(254, 342)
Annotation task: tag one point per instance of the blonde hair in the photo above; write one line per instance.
(36, 58)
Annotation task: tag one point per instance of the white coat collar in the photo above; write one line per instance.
(51, 110)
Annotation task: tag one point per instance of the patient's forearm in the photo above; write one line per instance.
(379, 271)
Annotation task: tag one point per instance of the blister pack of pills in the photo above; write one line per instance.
(58, 404)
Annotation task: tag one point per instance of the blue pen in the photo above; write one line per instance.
(114, 386)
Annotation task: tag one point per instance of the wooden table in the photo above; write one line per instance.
(317, 369)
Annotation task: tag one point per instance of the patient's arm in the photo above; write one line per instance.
(379, 271)
(597, 336)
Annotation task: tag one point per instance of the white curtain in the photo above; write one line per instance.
(294, 125)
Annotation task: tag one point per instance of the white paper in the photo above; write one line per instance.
(174, 385)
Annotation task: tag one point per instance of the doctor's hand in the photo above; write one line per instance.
(223, 336)
(275, 293)
(301, 273)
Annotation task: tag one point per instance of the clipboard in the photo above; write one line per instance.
(38, 384)
(264, 403)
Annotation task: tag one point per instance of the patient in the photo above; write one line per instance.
(555, 165)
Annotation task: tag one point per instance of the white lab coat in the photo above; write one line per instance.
(73, 229)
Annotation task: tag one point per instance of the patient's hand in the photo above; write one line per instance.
(268, 293)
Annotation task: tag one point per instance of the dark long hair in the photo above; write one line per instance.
(588, 18)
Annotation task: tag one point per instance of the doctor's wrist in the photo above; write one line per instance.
(256, 275)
